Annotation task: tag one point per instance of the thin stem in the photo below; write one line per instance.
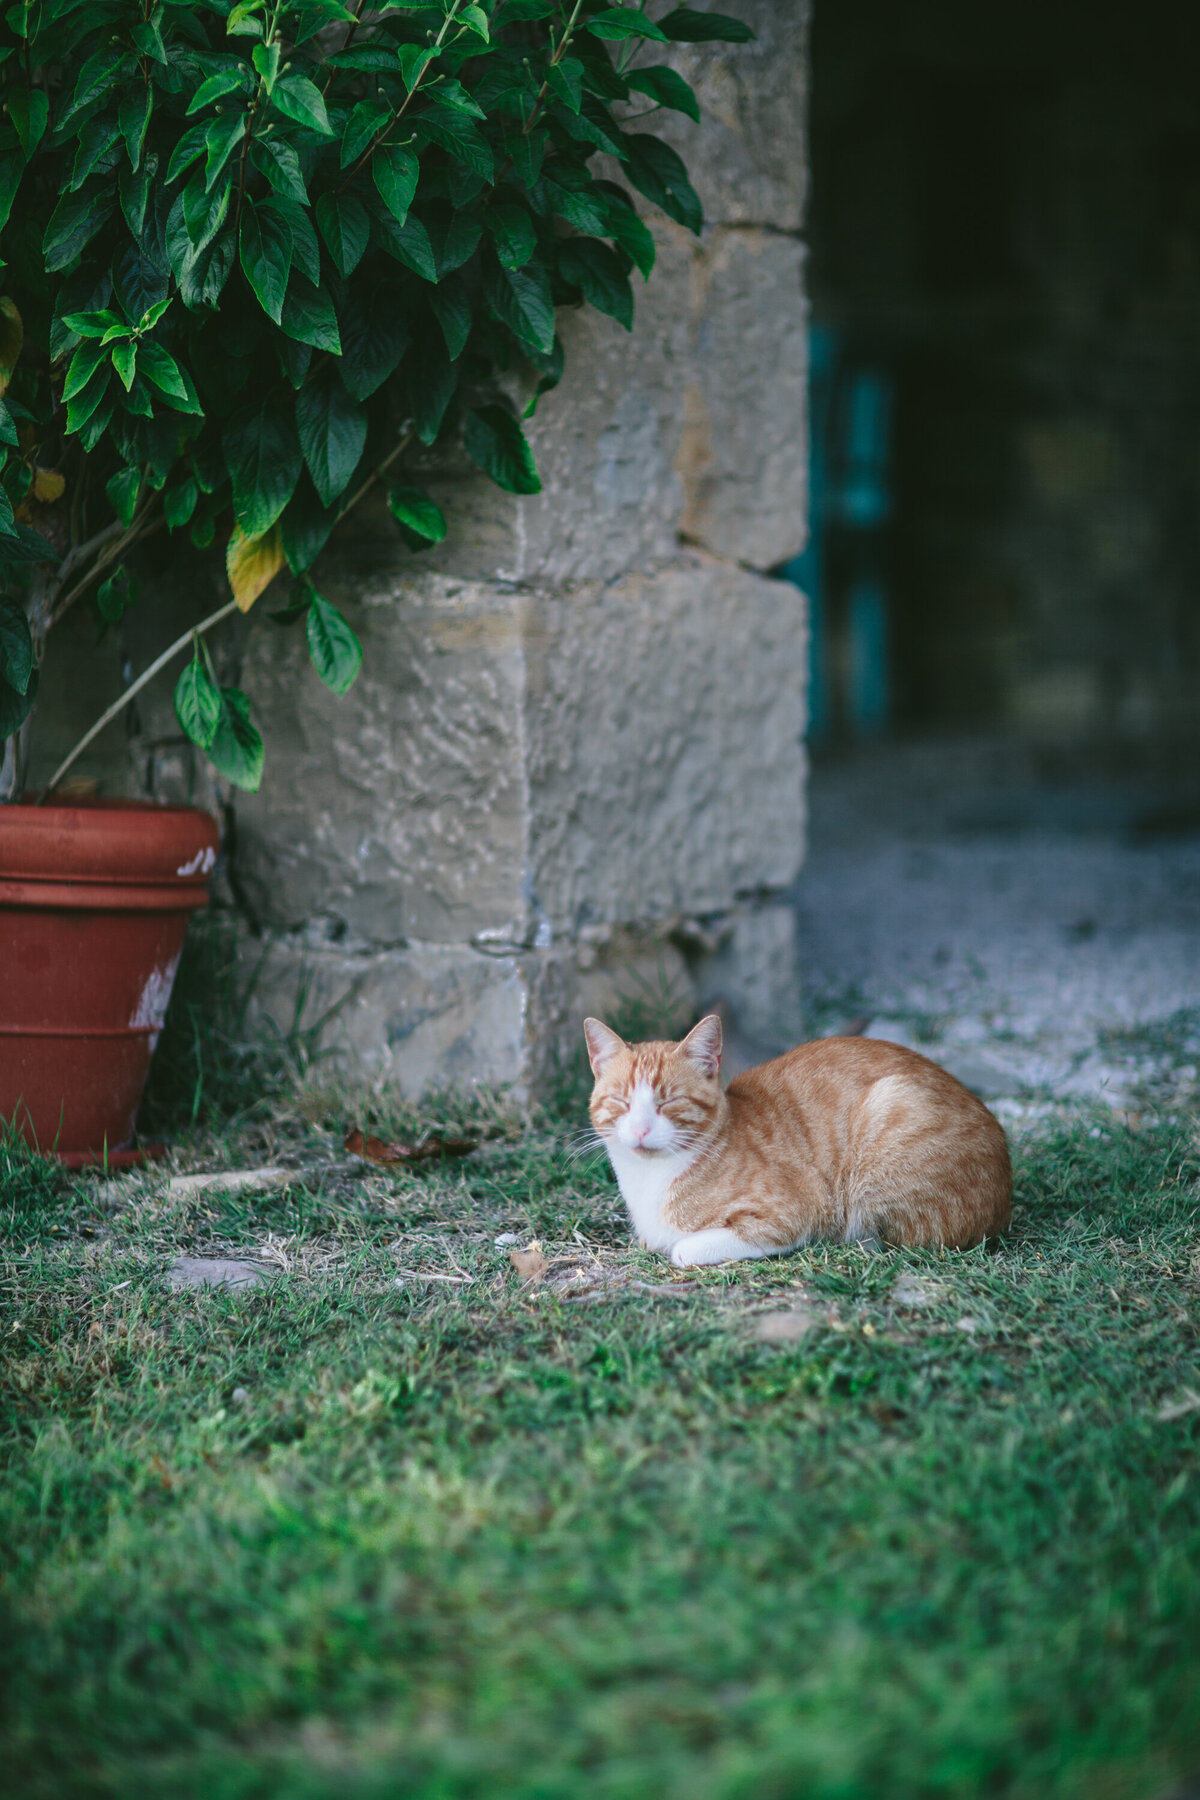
(392, 123)
(147, 675)
(114, 546)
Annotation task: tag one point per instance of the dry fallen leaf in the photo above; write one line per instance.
(530, 1264)
(403, 1150)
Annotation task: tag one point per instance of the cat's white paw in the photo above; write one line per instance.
(699, 1248)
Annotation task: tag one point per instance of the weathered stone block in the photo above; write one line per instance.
(744, 454)
(397, 810)
(748, 157)
(666, 771)
(756, 970)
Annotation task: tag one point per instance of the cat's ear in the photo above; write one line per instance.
(702, 1045)
(602, 1042)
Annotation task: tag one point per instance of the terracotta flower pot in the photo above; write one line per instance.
(94, 903)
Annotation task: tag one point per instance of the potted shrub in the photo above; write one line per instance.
(255, 254)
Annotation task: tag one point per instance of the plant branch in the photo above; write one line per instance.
(382, 136)
(135, 688)
(376, 473)
(111, 546)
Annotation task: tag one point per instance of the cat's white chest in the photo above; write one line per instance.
(644, 1182)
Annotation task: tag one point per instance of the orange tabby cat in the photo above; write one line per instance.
(847, 1138)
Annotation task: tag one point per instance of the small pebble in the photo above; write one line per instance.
(506, 1238)
(239, 1396)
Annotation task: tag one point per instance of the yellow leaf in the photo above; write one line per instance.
(48, 485)
(12, 336)
(252, 563)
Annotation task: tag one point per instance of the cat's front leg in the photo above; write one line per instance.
(715, 1246)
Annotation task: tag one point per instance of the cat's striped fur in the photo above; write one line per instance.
(848, 1138)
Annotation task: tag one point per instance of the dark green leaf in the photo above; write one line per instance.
(97, 141)
(277, 159)
(395, 171)
(192, 144)
(306, 251)
(365, 122)
(15, 706)
(656, 171)
(28, 546)
(584, 208)
(333, 430)
(409, 243)
(432, 380)
(236, 749)
(374, 338)
(74, 223)
(160, 368)
(262, 454)
(665, 87)
(12, 167)
(95, 78)
(134, 191)
(204, 211)
(683, 26)
(8, 427)
(633, 236)
(422, 522)
(306, 527)
(87, 359)
(265, 249)
(16, 647)
(82, 405)
(451, 304)
(456, 134)
(29, 109)
(140, 281)
(214, 87)
(179, 502)
(124, 361)
(346, 227)
(527, 9)
(221, 138)
(133, 116)
(336, 652)
(198, 703)
(514, 235)
(566, 80)
(122, 491)
(297, 98)
(521, 299)
(414, 59)
(624, 22)
(116, 595)
(308, 316)
(495, 441)
(526, 152)
(460, 242)
(600, 276)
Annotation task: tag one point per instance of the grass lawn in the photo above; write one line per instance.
(355, 1532)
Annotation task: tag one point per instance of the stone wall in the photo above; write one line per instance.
(571, 772)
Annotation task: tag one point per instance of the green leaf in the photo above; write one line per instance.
(656, 171)
(29, 109)
(192, 144)
(265, 250)
(683, 26)
(159, 367)
(409, 243)
(309, 317)
(87, 359)
(495, 441)
(297, 98)
(566, 80)
(15, 707)
(336, 652)
(521, 299)
(265, 58)
(8, 427)
(179, 502)
(95, 78)
(116, 595)
(413, 59)
(452, 308)
(236, 749)
(306, 251)
(345, 225)
(74, 223)
(12, 167)
(395, 171)
(204, 211)
(277, 159)
(134, 191)
(122, 491)
(262, 454)
(244, 19)
(124, 361)
(476, 20)
(82, 405)
(455, 133)
(333, 430)
(526, 152)
(368, 118)
(515, 10)
(214, 87)
(221, 139)
(514, 235)
(198, 704)
(133, 117)
(432, 380)
(453, 94)
(460, 241)
(422, 522)
(306, 527)
(600, 276)
(624, 226)
(16, 647)
(666, 88)
(374, 338)
(624, 22)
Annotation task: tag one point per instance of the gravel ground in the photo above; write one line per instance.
(1041, 938)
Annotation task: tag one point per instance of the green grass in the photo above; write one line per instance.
(334, 1538)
